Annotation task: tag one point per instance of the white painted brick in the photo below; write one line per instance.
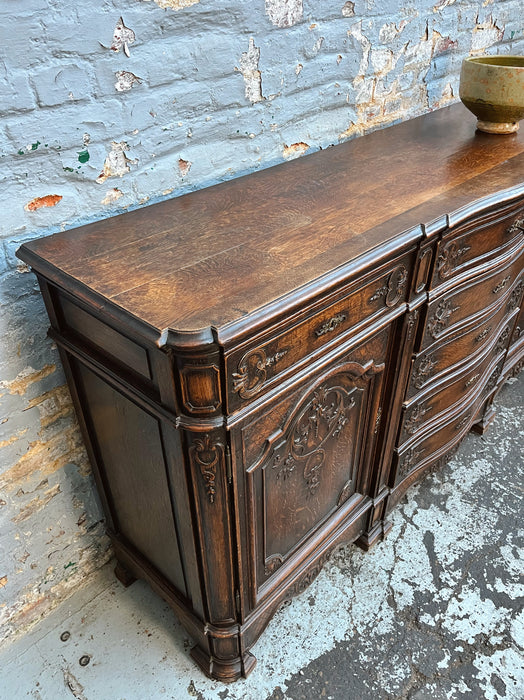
(56, 85)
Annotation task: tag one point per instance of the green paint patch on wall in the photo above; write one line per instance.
(83, 156)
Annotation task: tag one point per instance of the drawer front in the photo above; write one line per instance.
(257, 367)
(429, 365)
(412, 457)
(448, 311)
(306, 461)
(466, 246)
(430, 405)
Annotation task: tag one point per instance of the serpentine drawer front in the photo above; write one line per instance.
(264, 367)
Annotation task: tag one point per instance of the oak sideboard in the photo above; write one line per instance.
(262, 368)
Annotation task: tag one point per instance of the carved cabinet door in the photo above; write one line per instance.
(311, 474)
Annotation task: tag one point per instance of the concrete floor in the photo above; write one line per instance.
(434, 612)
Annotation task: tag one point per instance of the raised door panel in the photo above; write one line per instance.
(307, 461)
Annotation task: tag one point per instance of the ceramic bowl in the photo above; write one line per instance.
(492, 87)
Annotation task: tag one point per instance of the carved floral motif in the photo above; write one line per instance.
(472, 380)
(483, 334)
(423, 371)
(462, 422)
(515, 296)
(440, 319)
(252, 371)
(501, 285)
(308, 578)
(324, 417)
(502, 340)
(492, 381)
(207, 455)
(412, 322)
(450, 257)
(516, 227)
(395, 287)
(273, 564)
(517, 369)
(409, 460)
(415, 417)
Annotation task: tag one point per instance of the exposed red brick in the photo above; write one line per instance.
(50, 200)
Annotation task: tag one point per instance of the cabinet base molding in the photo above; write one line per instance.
(374, 536)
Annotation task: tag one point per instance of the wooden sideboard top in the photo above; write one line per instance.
(216, 257)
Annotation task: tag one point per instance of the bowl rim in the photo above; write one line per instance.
(498, 61)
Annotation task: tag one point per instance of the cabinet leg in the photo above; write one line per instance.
(225, 670)
(125, 577)
(483, 424)
(376, 534)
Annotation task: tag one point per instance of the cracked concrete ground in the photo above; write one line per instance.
(434, 612)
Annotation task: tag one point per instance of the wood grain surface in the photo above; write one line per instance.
(212, 257)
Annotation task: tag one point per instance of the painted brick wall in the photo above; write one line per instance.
(107, 105)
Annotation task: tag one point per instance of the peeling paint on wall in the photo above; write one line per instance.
(52, 405)
(25, 378)
(390, 31)
(443, 3)
(251, 74)
(295, 150)
(125, 80)
(174, 4)
(36, 504)
(184, 166)
(284, 13)
(356, 31)
(348, 9)
(111, 196)
(116, 163)
(45, 457)
(485, 35)
(49, 200)
(123, 37)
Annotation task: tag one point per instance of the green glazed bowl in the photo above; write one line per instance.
(492, 87)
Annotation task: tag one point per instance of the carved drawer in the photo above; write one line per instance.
(262, 363)
(439, 397)
(446, 312)
(434, 442)
(306, 458)
(464, 344)
(471, 244)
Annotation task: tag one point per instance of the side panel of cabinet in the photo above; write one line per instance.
(130, 452)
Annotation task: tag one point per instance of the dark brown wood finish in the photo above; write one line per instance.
(263, 368)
